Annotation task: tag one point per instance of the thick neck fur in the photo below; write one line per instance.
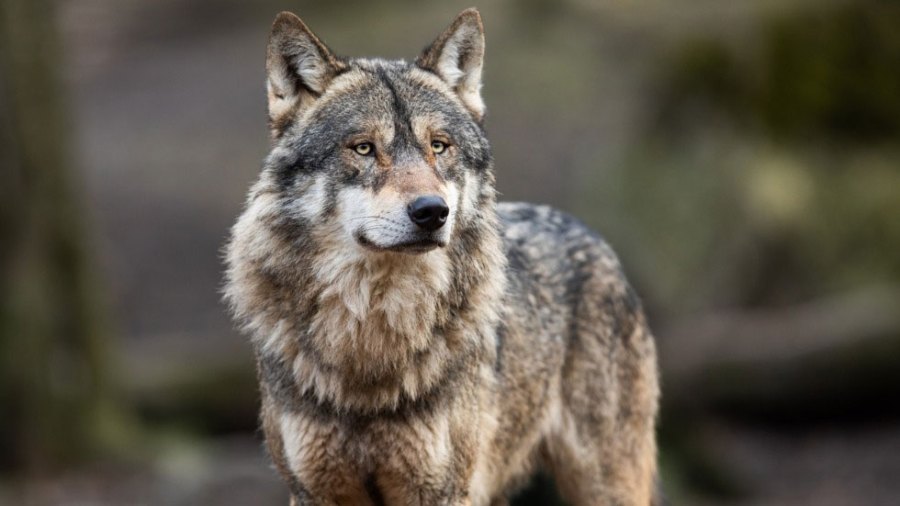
(364, 330)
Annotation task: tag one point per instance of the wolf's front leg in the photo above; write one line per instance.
(312, 457)
(441, 486)
(407, 492)
(431, 462)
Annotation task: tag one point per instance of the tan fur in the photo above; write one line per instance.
(443, 375)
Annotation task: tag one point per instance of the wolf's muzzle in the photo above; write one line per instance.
(428, 212)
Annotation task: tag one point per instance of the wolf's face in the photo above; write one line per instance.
(373, 154)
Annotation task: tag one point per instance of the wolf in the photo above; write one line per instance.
(418, 343)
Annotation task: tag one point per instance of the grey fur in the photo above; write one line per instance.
(403, 366)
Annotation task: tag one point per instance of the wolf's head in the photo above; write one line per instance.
(388, 156)
(372, 228)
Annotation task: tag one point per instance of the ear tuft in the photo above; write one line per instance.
(299, 67)
(457, 57)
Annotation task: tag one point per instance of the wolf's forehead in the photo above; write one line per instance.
(389, 91)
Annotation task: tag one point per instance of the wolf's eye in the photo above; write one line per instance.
(438, 147)
(364, 148)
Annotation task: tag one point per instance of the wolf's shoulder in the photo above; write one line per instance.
(543, 230)
(552, 244)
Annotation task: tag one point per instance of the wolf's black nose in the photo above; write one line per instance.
(429, 212)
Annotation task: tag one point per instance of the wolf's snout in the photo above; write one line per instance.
(428, 212)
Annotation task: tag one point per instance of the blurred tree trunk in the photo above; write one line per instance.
(52, 351)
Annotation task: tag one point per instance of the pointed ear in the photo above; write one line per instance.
(299, 67)
(457, 56)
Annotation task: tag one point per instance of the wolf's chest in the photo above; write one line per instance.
(378, 314)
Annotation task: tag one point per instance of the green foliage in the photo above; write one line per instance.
(829, 70)
(768, 171)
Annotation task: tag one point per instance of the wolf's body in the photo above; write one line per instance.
(418, 343)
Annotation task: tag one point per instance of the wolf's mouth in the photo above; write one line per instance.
(422, 245)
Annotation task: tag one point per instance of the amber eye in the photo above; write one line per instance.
(364, 148)
(438, 147)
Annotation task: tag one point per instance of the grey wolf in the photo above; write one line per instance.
(416, 341)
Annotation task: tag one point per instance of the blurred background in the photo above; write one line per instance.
(743, 158)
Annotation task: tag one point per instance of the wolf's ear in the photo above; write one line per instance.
(457, 56)
(299, 68)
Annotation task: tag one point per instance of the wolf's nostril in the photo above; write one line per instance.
(429, 212)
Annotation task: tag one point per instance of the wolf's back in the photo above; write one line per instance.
(550, 250)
